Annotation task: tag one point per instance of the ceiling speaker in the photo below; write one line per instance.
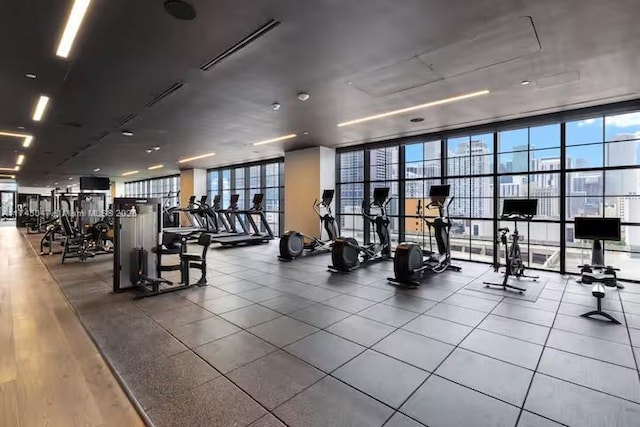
(180, 9)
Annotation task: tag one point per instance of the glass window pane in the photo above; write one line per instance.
(622, 153)
(545, 160)
(584, 131)
(352, 159)
(384, 163)
(513, 140)
(544, 136)
(513, 186)
(622, 127)
(584, 156)
(482, 239)
(517, 161)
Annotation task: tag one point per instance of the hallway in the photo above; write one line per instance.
(50, 372)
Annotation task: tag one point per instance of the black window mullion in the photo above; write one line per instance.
(563, 198)
(401, 192)
(366, 193)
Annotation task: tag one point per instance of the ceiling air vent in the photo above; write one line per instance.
(126, 120)
(169, 91)
(102, 135)
(264, 29)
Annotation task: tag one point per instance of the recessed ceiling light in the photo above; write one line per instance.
(415, 107)
(156, 148)
(525, 82)
(30, 75)
(306, 132)
(127, 133)
(202, 156)
(130, 173)
(303, 96)
(21, 127)
(276, 106)
(72, 26)
(416, 120)
(41, 106)
(70, 178)
(149, 150)
(154, 167)
(96, 170)
(280, 138)
(20, 160)
(180, 9)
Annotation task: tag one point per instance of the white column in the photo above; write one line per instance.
(193, 182)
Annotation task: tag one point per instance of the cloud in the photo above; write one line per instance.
(623, 120)
(587, 122)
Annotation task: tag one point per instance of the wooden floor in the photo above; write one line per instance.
(50, 371)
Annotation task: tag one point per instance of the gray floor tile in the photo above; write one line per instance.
(320, 315)
(267, 421)
(612, 379)
(482, 295)
(439, 329)
(429, 292)
(317, 294)
(417, 350)
(626, 296)
(370, 293)
(504, 348)
(595, 348)
(282, 331)
(574, 405)
(632, 307)
(325, 351)
(349, 303)
(527, 419)
(382, 377)
(234, 351)
(195, 334)
(539, 304)
(401, 420)
(156, 382)
(330, 403)
(442, 403)
(249, 316)
(286, 303)
(411, 303)
(201, 294)
(551, 294)
(633, 320)
(360, 330)
(217, 403)
(635, 337)
(474, 303)
(239, 286)
(275, 378)
(515, 329)
(224, 304)
(180, 316)
(456, 314)
(390, 315)
(487, 375)
(260, 294)
(160, 303)
(609, 302)
(593, 328)
(512, 311)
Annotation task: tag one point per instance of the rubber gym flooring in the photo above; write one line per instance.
(271, 344)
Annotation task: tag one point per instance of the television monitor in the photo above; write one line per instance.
(94, 183)
(520, 207)
(588, 228)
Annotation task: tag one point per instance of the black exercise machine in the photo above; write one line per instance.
(347, 254)
(514, 209)
(252, 233)
(293, 244)
(597, 272)
(411, 263)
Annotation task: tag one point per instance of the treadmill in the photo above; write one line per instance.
(215, 217)
(195, 226)
(252, 233)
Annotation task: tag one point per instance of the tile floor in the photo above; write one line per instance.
(273, 344)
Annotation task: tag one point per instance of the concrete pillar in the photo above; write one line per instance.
(307, 173)
(193, 182)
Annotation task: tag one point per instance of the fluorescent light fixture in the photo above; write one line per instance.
(8, 176)
(154, 167)
(74, 21)
(130, 173)
(20, 159)
(202, 156)
(9, 169)
(17, 168)
(70, 178)
(415, 107)
(28, 139)
(525, 82)
(280, 138)
(127, 133)
(96, 170)
(38, 112)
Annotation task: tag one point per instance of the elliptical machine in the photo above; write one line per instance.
(411, 263)
(292, 243)
(514, 209)
(347, 254)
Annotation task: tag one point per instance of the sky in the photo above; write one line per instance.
(548, 136)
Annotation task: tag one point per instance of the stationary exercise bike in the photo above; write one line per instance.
(514, 209)
(597, 272)
(347, 254)
(411, 263)
(294, 243)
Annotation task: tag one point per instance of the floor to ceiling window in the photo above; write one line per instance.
(165, 188)
(246, 181)
(583, 167)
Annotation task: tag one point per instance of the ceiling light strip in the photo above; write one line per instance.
(72, 27)
(415, 107)
(27, 141)
(154, 167)
(20, 160)
(130, 173)
(8, 169)
(8, 176)
(202, 156)
(281, 138)
(41, 106)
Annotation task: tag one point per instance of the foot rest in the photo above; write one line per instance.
(598, 291)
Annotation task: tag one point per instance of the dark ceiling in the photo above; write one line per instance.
(355, 58)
